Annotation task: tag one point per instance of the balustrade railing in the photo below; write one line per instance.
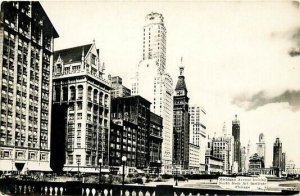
(18, 187)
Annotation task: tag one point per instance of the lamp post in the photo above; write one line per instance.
(78, 162)
(123, 174)
(100, 163)
(176, 181)
(158, 165)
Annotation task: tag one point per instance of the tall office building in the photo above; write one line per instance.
(81, 107)
(283, 161)
(181, 124)
(243, 159)
(198, 135)
(277, 154)
(237, 142)
(154, 40)
(26, 59)
(153, 83)
(136, 132)
(261, 147)
(228, 138)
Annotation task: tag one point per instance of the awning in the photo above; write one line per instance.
(37, 166)
(7, 165)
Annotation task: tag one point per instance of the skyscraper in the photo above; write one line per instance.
(198, 135)
(277, 154)
(154, 40)
(243, 159)
(181, 124)
(81, 104)
(237, 143)
(153, 83)
(283, 161)
(26, 59)
(261, 147)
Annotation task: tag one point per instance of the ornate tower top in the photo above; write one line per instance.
(181, 68)
(261, 138)
(154, 18)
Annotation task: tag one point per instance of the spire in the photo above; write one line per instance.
(181, 82)
(181, 67)
(224, 129)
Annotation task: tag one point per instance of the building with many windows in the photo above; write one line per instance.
(181, 124)
(118, 89)
(256, 164)
(277, 154)
(213, 165)
(198, 132)
(123, 142)
(135, 133)
(26, 59)
(153, 83)
(194, 159)
(81, 108)
(261, 146)
(237, 142)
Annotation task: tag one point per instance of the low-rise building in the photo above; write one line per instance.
(213, 165)
(256, 163)
(118, 89)
(194, 159)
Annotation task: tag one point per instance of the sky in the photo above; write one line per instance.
(240, 57)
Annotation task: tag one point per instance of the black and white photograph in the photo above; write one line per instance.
(150, 98)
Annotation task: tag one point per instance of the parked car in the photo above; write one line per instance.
(180, 178)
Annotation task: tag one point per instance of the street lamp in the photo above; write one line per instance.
(124, 162)
(78, 162)
(158, 165)
(176, 181)
(100, 163)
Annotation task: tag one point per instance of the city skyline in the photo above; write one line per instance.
(233, 63)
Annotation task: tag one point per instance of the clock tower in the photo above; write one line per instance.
(181, 124)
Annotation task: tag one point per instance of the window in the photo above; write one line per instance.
(80, 91)
(93, 59)
(65, 94)
(73, 93)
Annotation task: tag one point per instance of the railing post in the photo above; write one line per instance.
(164, 190)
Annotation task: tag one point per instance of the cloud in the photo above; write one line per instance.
(292, 97)
(294, 52)
(295, 38)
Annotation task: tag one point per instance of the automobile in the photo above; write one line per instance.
(180, 178)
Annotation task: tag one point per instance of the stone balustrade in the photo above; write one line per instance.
(18, 187)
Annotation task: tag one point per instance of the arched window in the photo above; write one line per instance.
(95, 95)
(58, 68)
(57, 93)
(90, 93)
(80, 92)
(65, 93)
(73, 93)
(100, 98)
(106, 100)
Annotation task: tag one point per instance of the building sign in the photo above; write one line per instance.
(243, 183)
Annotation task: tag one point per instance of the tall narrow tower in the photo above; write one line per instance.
(181, 123)
(153, 83)
(277, 154)
(154, 41)
(237, 143)
(261, 147)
